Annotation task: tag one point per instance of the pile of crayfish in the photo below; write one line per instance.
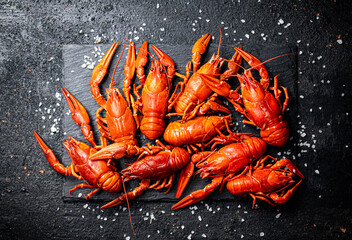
(198, 142)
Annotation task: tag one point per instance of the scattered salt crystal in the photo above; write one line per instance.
(162, 29)
(242, 20)
(280, 21)
(207, 20)
(53, 129)
(261, 234)
(85, 205)
(157, 5)
(200, 218)
(339, 41)
(246, 35)
(287, 25)
(204, 236)
(152, 217)
(317, 171)
(182, 227)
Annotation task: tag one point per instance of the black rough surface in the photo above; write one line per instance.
(32, 37)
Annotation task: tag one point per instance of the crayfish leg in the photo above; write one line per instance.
(82, 185)
(261, 196)
(281, 199)
(198, 195)
(130, 195)
(52, 159)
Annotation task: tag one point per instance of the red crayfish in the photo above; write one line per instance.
(193, 90)
(261, 108)
(220, 165)
(160, 166)
(273, 183)
(154, 101)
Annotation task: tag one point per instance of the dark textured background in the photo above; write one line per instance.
(33, 35)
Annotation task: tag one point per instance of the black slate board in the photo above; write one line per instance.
(79, 61)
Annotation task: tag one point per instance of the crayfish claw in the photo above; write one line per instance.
(198, 49)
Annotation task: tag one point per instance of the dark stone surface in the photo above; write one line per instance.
(33, 36)
(76, 79)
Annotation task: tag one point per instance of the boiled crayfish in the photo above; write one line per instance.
(273, 183)
(160, 166)
(193, 90)
(154, 101)
(261, 108)
(220, 165)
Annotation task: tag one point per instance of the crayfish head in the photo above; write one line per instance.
(251, 89)
(79, 152)
(116, 104)
(279, 178)
(156, 79)
(214, 64)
